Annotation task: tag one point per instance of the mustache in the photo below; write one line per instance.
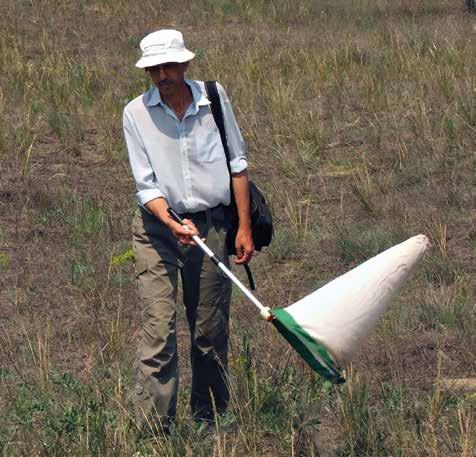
(165, 82)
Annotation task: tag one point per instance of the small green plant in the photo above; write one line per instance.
(67, 126)
(81, 270)
(357, 419)
(446, 306)
(442, 269)
(4, 261)
(285, 246)
(3, 140)
(123, 258)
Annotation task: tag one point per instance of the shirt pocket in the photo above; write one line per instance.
(208, 146)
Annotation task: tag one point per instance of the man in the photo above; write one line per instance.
(178, 160)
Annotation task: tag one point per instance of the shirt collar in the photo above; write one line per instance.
(199, 98)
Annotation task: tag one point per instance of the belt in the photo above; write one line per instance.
(202, 215)
(197, 215)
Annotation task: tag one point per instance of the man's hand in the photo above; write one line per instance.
(184, 232)
(244, 246)
(158, 207)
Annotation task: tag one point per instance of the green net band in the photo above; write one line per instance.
(314, 353)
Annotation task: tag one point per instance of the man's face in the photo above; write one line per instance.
(168, 76)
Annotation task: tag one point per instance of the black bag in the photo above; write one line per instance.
(261, 219)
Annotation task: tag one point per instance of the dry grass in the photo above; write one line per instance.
(360, 119)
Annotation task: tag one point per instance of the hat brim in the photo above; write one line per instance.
(158, 59)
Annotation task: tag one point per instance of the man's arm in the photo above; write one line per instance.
(148, 190)
(244, 240)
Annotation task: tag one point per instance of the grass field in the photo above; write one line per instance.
(360, 121)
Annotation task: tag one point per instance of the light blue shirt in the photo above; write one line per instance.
(182, 161)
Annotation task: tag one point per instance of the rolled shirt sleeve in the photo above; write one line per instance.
(146, 181)
(236, 144)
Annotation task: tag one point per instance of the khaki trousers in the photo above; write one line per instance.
(206, 296)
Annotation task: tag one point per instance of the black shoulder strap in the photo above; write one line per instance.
(214, 97)
(250, 276)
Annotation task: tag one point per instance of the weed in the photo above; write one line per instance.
(285, 246)
(124, 258)
(80, 271)
(358, 245)
(442, 270)
(67, 127)
(4, 261)
(446, 306)
(85, 218)
(362, 189)
(358, 423)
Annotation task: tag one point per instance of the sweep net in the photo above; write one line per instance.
(328, 326)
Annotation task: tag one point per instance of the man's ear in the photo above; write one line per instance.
(186, 65)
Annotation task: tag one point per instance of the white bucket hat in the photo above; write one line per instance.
(161, 47)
